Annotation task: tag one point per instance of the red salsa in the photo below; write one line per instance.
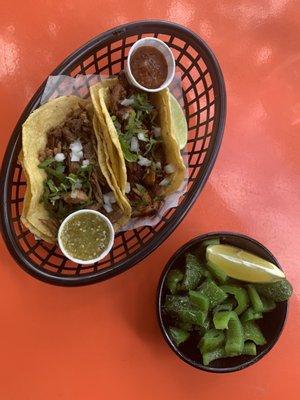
(149, 67)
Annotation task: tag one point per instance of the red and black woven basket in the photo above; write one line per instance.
(204, 99)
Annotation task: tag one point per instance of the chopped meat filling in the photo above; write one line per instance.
(135, 118)
(72, 185)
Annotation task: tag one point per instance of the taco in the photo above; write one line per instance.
(65, 168)
(139, 134)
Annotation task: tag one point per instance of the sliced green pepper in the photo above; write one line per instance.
(199, 300)
(204, 327)
(174, 302)
(235, 336)
(210, 242)
(226, 306)
(193, 273)
(249, 349)
(208, 275)
(252, 332)
(222, 318)
(216, 272)
(180, 307)
(255, 298)
(186, 326)
(178, 335)
(173, 278)
(213, 292)
(213, 355)
(250, 314)
(268, 304)
(277, 291)
(211, 340)
(240, 295)
(192, 316)
(220, 352)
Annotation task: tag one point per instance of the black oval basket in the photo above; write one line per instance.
(204, 101)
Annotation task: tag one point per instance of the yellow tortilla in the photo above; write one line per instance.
(26, 204)
(34, 139)
(105, 168)
(161, 100)
(115, 163)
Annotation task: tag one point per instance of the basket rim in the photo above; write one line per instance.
(64, 67)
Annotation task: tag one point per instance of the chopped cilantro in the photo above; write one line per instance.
(46, 163)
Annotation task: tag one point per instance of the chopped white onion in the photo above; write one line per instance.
(142, 136)
(144, 162)
(164, 182)
(134, 144)
(76, 157)
(112, 198)
(158, 165)
(127, 187)
(107, 207)
(169, 169)
(74, 194)
(157, 131)
(106, 198)
(85, 163)
(76, 146)
(127, 102)
(125, 116)
(76, 151)
(78, 184)
(53, 199)
(59, 157)
(109, 198)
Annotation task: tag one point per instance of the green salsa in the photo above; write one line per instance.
(85, 236)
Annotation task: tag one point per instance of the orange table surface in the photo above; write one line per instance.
(103, 341)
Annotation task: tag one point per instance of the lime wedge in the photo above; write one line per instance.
(180, 124)
(242, 265)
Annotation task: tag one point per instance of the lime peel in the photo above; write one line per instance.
(179, 122)
(242, 265)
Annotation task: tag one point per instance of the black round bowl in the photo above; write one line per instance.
(272, 324)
